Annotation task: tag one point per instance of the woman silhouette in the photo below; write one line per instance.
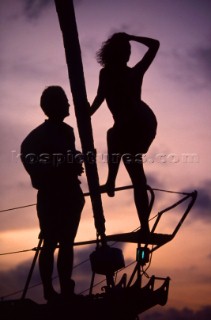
(134, 122)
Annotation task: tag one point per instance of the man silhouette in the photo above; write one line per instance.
(49, 156)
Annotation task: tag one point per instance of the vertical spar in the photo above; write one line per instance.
(67, 21)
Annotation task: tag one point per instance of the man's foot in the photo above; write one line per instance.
(109, 189)
(67, 290)
(51, 296)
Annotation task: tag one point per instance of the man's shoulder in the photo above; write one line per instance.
(34, 133)
(45, 132)
(35, 138)
(69, 131)
(67, 126)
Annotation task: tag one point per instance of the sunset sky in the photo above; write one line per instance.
(177, 88)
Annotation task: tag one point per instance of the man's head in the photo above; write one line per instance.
(54, 103)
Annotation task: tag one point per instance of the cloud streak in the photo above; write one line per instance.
(203, 203)
(33, 8)
(202, 57)
(192, 66)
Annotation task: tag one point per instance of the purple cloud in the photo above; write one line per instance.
(185, 314)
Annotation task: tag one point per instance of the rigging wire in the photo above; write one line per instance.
(14, 252)
(35, 248)
(20, 207)
(86, 194)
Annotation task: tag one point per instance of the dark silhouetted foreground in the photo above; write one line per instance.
(119, 304)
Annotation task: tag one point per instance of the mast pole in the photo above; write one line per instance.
(67, 21)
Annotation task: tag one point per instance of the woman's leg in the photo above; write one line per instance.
(137, 175)
(114, 159)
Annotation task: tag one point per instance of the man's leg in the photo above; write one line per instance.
(65, 267)
(66, 252)
(46, 264)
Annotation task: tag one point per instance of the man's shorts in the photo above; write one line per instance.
(59, 213)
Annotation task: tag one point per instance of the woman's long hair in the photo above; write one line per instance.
(114, 51)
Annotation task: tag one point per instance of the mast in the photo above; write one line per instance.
(67, 21)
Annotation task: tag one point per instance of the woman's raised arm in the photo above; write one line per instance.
(149, 56)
